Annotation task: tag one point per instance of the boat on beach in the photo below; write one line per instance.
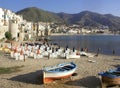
(83, 53)
(63, 70)
(111, 77)
(72, 56)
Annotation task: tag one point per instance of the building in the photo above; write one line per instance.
(20, 28)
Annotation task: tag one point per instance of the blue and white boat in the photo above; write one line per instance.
(59, 71)
(111, 77)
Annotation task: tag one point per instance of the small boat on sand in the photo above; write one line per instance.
(72, 56)
(63, 70)
(82, 53)
(111, 77)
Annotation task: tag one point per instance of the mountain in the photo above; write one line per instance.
(35, 14)
(91, 19)
(84, 18)
(66, 17)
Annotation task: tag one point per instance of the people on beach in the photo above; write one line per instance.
(82, 49)
(113, 51)
(66, 47)
(73, 49)
(98, 51)
(48, 55)
(24, 57)
(86, 49)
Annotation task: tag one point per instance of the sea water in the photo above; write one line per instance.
(107, 44)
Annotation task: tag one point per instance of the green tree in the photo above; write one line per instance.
(8, 35)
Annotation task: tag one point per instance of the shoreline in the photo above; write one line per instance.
(61, 34)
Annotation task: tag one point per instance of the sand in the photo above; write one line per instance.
(30, 75)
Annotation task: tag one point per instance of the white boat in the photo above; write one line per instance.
(45, 53)
(72, 56)
(82, 53)
(53, 55)
(59, 71)
(63, 55)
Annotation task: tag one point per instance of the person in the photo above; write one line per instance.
(24, 57)
(82, 49)
(113, 51)
(98, 50)
(73, 49)
(86, 49)
(48, 55)
(66, 47)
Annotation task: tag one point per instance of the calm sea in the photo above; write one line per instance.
(106, 43)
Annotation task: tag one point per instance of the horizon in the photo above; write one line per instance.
(71, 7)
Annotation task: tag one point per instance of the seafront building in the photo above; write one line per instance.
(20, 28)
(9, 21)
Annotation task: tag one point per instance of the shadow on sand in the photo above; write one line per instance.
(31, 78)
(116, 66)
(117, 59)
(88, 82)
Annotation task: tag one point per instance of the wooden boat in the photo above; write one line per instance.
(63, 70)
(111, 77)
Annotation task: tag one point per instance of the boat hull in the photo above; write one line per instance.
(49, 77)
(111, 77)
(86, 54)
(110, 81)
(72, 56)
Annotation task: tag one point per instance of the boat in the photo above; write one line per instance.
(72, 56)
(82, 53)
(111, 77)
(69, 54)
(60, 71)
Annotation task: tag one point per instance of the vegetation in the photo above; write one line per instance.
(7, 70)
(35, 15)
(2, 39)
(8, 35)
(84, 19)
(91, 19)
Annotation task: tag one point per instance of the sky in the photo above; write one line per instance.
(66, 6)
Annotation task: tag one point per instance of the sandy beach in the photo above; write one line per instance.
(30, 75)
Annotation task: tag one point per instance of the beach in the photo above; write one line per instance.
(30, 75)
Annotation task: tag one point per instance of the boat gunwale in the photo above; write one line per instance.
(59, 66)
(109, 73)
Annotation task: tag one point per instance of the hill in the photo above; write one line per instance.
(85, 18)
(35, 14)
(91, 19)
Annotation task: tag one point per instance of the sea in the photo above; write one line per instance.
(106, 44)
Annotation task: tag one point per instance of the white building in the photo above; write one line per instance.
(83, 30)
(9, 22)
(18, 27)
(73, 31)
